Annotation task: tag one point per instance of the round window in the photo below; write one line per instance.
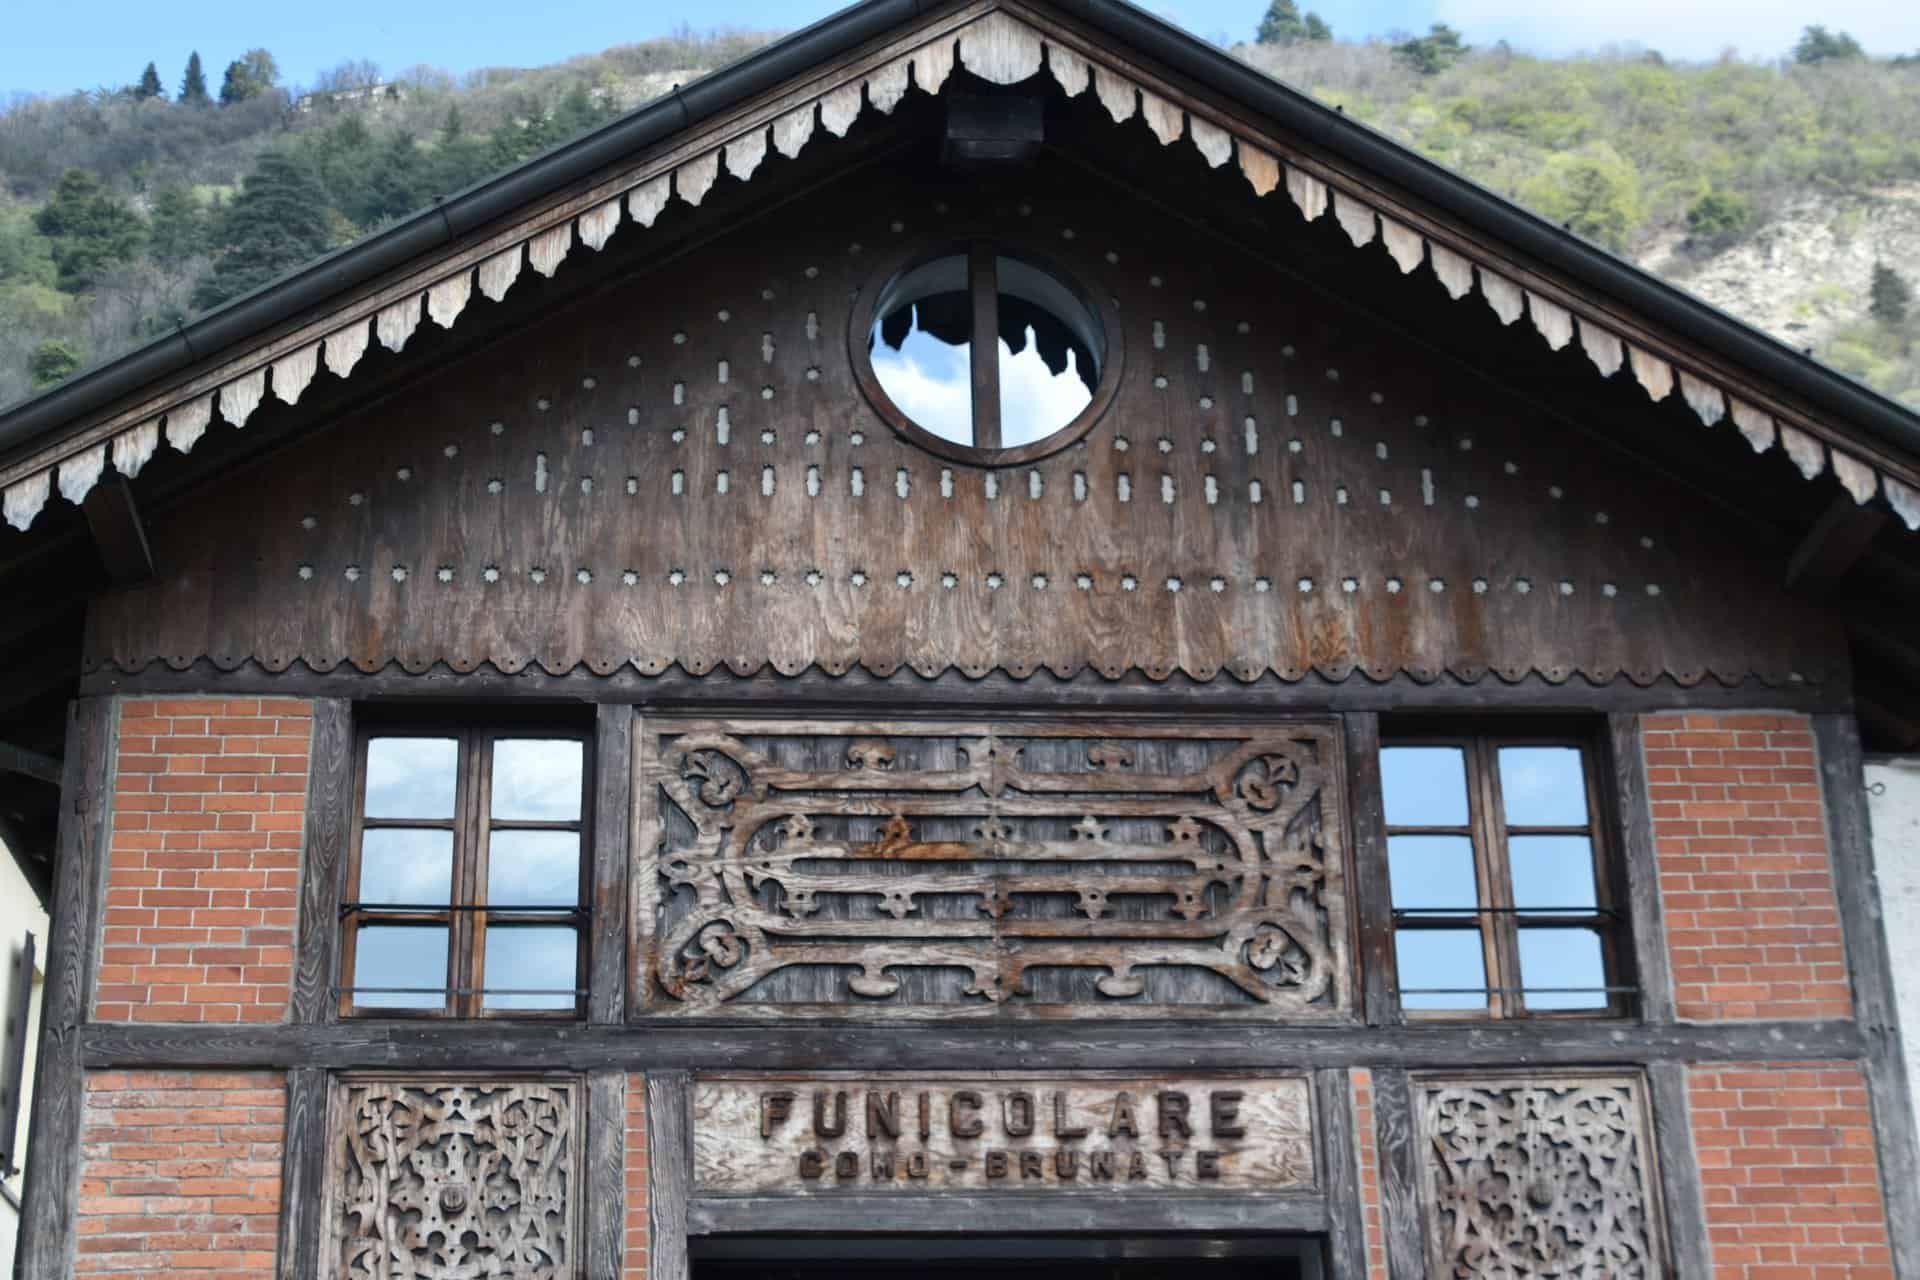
(1031, 384)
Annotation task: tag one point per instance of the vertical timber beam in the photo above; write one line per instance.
(606, 1208)
(1690, 1252)
(1850, 840)
(324, 856)
(303, 1175)
(1373, 905)
(1399, 1174)
(1633, 809)
(1340, 1171)
(46, 1241)
(612, 823)
(670, 1172)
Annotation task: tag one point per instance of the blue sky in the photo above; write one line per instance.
(52, 48)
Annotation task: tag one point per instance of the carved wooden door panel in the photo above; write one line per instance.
(978, 869)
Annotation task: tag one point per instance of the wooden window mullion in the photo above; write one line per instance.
(1503, 930)
(983, 286)
(467, 846)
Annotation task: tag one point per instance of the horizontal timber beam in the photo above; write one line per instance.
(957, 1044)
(722, 690)
(1056, 1213)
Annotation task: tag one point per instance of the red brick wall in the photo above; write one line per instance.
(204, 863)
(1367, 1142)
(638, 1230)
(1751, 920)
(181, 1179)
(1788, 1167)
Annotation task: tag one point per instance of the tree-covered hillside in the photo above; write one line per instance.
(123, 212)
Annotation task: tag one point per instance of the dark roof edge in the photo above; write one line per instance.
(447, 220)
(1823, 388)
(1690, 317)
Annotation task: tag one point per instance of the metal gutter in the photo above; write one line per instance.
(1823, 388)
(449, 219)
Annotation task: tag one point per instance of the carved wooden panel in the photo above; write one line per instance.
(1014, 869)
(682, 470)
(786, 1135)
(1540, 1177)
(446, 1180)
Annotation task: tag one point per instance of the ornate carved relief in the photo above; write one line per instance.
(445, 1181)
(975, 868)
(1540, 1177)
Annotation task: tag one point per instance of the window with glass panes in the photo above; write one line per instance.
(1501, 886)
(463, 895)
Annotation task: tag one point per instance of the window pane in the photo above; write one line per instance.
(1425, 786)
(921, 348)
(411, 777)
(533, 869)
(537, 779)
(1432, 871)
(1551, 871)
(1049, 353)
(1562, 958)
(400, 956)
(1449, 959)
(406, 865)
(531, 958)
(1543, 786)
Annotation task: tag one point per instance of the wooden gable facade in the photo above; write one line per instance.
(988, 855)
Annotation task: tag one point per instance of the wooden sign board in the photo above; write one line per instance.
(807, 1135)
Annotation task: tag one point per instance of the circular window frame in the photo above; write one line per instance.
(1102, 308)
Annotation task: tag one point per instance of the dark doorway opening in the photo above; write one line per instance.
(968, 1257)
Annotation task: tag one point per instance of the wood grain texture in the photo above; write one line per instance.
(1219, 1045)
(1012, 1215)
(753, 521)
(953, 693)
(1684, 1198)
(670, 1177)
(1346, 1227)
(981, 870)
(1549, 1173)
(1400, 1213)
(49, 1205)
(329, 820)
(1850, 841)
(605, 1229)
(1639, 866)
(612, 825)
(1374, 906)
(303, 1176)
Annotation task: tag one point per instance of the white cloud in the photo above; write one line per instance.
(1695, 30)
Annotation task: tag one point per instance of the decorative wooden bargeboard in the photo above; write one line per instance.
(980, 869)
(1002, 1132)
(439, 1179)
(683, 471)
(1540, 1176)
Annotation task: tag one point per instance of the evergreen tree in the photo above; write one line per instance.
(1282, 25)
(276, 223)
(1432, 53)
(249, 77)
(1317, 28)
(150, 86)
(193, 86)
(52, 361)
(178, 229)
(1890, 296)
(90, 229)
(1817, 44)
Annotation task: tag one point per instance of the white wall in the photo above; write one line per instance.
(20, 914)
(1893, 798)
